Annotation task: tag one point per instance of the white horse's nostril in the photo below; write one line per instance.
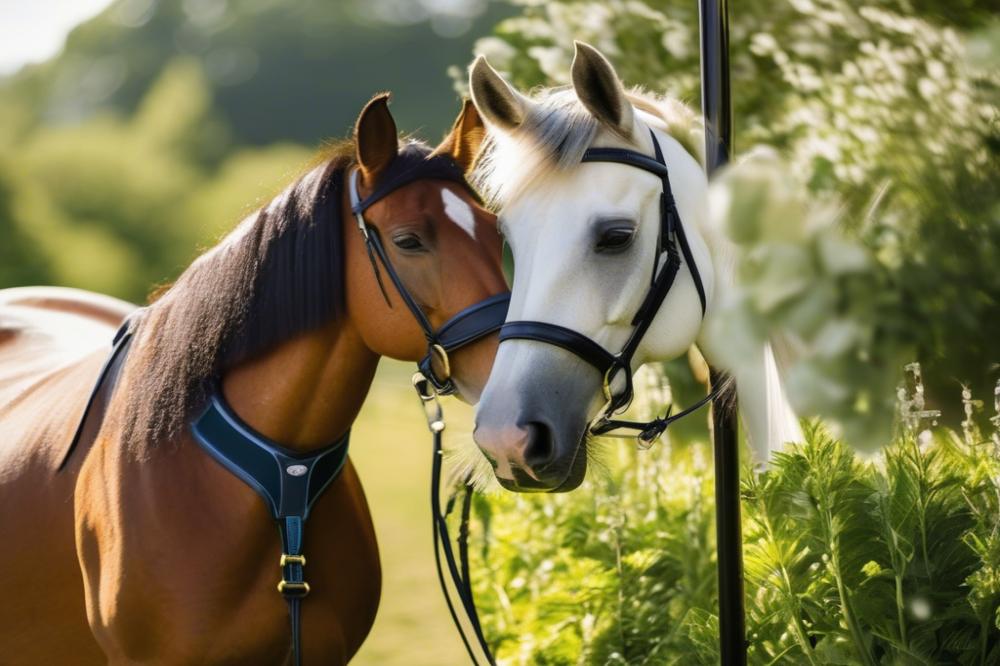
(504, 446)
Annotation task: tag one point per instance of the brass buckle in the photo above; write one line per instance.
(288, 587)
(606, 383)
(440, 354)
(298, 589)
(287, 559)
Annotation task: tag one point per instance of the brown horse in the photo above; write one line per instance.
(179, 558)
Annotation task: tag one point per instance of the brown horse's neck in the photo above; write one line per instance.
(306, 392)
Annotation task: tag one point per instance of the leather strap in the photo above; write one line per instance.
(474, 322)
(560, 336)
(630, 158)
(471, 324)
(460, 577)
(109, 372)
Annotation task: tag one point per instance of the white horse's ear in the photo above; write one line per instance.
(376, 138)
(497, 102)
(601, 91)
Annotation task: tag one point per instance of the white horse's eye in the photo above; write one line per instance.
(615, 239)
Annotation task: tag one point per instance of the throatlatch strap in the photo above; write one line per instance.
(289, 483)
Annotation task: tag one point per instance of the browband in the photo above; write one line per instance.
(434, 167)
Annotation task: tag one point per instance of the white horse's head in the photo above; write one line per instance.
(584, 239)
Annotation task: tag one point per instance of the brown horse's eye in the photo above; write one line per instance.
(408, 242)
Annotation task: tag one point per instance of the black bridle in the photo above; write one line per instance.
(471, 324)
(670, 238)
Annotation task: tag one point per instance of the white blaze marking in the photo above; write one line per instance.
(459, 211)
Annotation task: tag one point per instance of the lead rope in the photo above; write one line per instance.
(461, 579)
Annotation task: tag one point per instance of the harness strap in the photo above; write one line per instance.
(373, 244)
(119, 348)
(289, 482)
(474, 322)
(471, 324)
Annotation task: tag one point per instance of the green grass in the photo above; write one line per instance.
(391, 449)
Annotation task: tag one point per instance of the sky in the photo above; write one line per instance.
(35, 30)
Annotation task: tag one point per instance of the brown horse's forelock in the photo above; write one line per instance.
(278, 274)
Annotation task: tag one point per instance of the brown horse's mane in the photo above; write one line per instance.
(279, 273)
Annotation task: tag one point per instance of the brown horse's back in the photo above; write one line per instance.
(52, 344)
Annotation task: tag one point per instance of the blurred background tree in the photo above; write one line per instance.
(161, 122)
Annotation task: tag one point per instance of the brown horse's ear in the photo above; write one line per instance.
(465, 138)
(376, 138)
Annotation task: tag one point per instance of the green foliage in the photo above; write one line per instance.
(277, 70)
(893, 560)
(163, 123)
(19, 262)
(118, 205)
(884, 110)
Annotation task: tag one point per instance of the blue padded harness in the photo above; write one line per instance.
(288, 481)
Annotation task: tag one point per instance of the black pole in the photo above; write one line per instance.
(716, 106)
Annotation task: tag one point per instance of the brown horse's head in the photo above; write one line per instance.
(442, 243)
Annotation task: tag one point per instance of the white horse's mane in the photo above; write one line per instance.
(558, 129)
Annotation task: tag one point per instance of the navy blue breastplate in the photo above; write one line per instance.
(289, 483)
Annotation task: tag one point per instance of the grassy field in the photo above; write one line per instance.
(391, 448)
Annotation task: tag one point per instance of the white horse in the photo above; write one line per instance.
(583, 237)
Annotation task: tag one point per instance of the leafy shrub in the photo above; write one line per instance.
(888, 560)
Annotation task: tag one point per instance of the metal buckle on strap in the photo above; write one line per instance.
(440, 354)
(609, 376)
(287, 559)
(429, 399)
(293, 589)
